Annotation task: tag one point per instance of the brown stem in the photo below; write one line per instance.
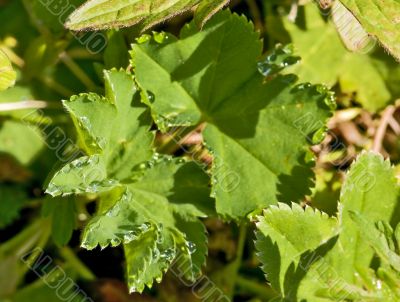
(380, 133)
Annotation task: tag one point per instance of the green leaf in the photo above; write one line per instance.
(285, 233)
(369, 180)
(115, 147)
(11, 201)
(380, 20)
(326, 60)
(116, 53)
(353, 36)
(206, 9)
(126, 128)
(86, 174)
(62, 213)
(105, 14)
(377, 239)
(23, 141)
(147, 259)
(295, 252)
(212, 76)
(154, 215)
(7, 73)
(147, 201)
(113, 226)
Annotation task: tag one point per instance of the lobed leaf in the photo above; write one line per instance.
(212, 76)
(303, 264)
(155, 214)
(285, 233)
(105, 14)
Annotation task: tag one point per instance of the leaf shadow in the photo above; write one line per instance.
(294, 275)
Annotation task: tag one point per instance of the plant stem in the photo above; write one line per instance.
(60, 89)
(253, 287)
(238, 260)
(14, 58)
(255, 13)
(380, 133)
(77, 264)
(77, 71)
(32, 104)
(172, 143)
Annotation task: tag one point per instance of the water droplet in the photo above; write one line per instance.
(191, 246)
(159, 37)
(168, 255)
(114, 212)
(330, 100)
(319, 136)
(85, 245)
(115, 242)
(85, 122)
(280, 58)
(129, 237)
(143, 39)
(150, 96)
(145, 226)
(101, 142)
(132, 289)
(54, 190)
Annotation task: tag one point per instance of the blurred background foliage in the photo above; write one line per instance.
(52, 64)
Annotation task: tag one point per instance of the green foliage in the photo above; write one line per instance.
(143, 195)
(62, 213)
(164, 141)
(12, 200)
(96, 14)
(211, 76)
(334, 252)
(360, 73)
(380, 20)
(7, 73)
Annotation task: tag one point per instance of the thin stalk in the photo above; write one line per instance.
(255, 13)
(77, 71)
(380, 133)
(23, 105)
(253, 287)
(60, 89)
(238, 260)
(12, 56)
(172, 143)
(77, 264)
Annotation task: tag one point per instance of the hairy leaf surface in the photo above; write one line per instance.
(380, 19)
(104, 14)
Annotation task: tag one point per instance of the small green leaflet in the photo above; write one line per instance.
(206, 9)
(147, 202)
(285, 233)
(12, 200)
(382, 242)
(7, 73)
(104, 14)
(380, 19)
(212, 76)
(298, 247)
(61, 210)
(366, 76)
